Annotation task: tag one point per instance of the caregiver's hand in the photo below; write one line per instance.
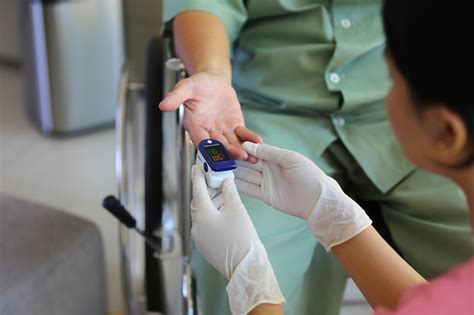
(212, 111)
(291, 183)
(225, 236)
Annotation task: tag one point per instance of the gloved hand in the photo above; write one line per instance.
(291, 183)
(226, 237)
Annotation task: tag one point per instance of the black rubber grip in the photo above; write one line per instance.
(113, 205)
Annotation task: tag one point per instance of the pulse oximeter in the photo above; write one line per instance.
(215, 162)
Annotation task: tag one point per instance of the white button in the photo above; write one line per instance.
(346, 23)
(339, 121)
(209, 141)
(335, 78)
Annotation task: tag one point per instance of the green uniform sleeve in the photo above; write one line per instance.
(232, 12)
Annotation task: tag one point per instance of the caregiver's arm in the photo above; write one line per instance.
(212, 109)
(379, 272)
(268, 309)
(293, 184)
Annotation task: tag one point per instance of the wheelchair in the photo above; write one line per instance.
(153, 161)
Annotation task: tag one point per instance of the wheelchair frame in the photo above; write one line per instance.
(153, 160)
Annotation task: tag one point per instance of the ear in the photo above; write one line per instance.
(451, 141)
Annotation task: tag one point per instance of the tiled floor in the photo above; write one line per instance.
(72, 174)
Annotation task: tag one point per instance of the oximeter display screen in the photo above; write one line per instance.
(216, 152)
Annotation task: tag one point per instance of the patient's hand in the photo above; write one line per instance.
(212, 110)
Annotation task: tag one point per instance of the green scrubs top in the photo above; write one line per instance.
(314, 58)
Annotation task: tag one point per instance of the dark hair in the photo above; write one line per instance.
(432, 44)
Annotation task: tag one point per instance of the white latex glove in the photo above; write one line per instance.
(226, 237)
(292, 183)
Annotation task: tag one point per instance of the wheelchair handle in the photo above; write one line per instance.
(114, 206)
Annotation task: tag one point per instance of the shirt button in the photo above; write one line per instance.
(346, 23)
(335, 78)
(339, 121)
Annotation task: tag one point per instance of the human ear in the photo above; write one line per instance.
(450, 137)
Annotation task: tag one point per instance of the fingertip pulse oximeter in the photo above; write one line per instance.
(215, 162)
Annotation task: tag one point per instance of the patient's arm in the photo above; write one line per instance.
(379, 272)
(212, 109)
(201, 41)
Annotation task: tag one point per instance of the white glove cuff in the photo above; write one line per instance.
(336, 219)
(253, 282)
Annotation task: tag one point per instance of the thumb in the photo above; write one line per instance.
(179, 95)
(231, 197)
(263, 151)
(201, 199)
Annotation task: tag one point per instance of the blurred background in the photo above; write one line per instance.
(66, 160)
(60, 64)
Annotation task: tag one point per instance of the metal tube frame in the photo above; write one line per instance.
(174, 233)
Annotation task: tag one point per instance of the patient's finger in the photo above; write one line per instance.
(235, 146)
(196, 133)
(245, 134)
(236, 153)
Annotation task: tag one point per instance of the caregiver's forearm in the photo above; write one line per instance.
(268, 309)
(379, 272)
